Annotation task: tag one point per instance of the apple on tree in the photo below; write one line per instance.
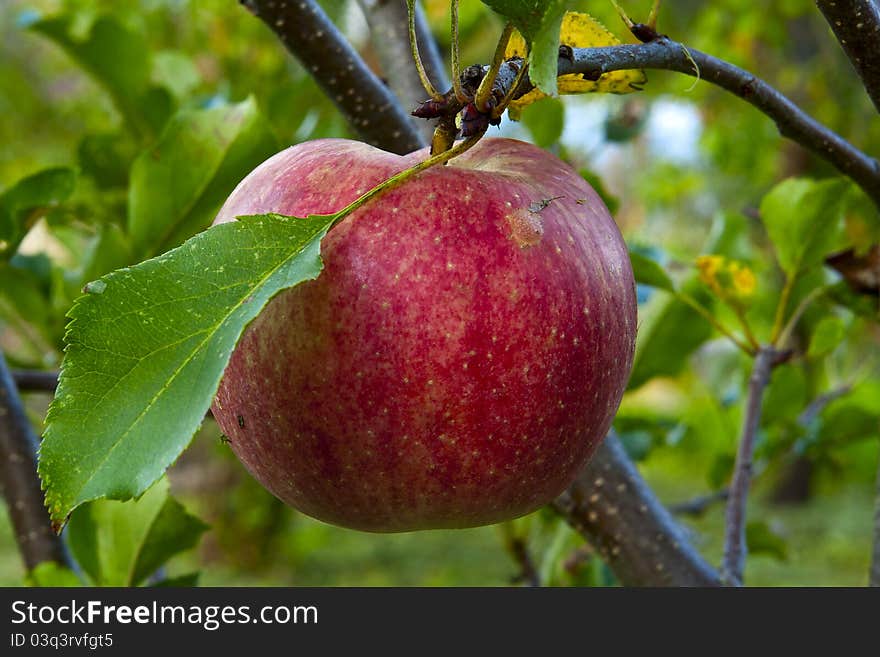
(462, 353)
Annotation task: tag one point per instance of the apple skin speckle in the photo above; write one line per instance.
(397, 393)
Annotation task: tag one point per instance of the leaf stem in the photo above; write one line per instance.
(400, 178)
(779, 320)
(693, 303)
(484, 91)
(747, 330)
(456, 61)
(417, 58)
(785, 333)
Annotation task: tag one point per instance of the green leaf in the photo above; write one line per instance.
(123, 543)
(173, 531)
(188, 580)
(539, 23)
(648, 272)
(30, 196)
(761, 539)
(664, 346)
(146, 350)
(119, 59)
(52, 574)
(545, 121)
(24, 309)
(107, 159)
(803, 219)
(178, 185)
(829, 333)
(544, 53)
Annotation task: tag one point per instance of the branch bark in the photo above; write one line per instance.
(856, 24)
(613, 508)
(389, 34)
(20, 484)
(368, 105)
(735, 549)
(35, 380)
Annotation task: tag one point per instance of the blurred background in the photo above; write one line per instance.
(682, 165)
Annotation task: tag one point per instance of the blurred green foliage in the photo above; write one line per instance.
(92, 92)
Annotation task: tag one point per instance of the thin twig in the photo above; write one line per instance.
(35, 380)
(369, 106)
(735, 549)
(819, 403)
(518, 548)
(699, 505)
(18, 480)
(612, 507)
(856, 24)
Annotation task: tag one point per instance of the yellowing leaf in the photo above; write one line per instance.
(731, 281)
(578, 30)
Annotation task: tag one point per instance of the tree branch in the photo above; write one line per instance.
(613, 508)
(790, 119)
(735, 548)
(368, 105)
(35, 380)
(18, 480)
(699, 505)
(388, 32)
(856, 24)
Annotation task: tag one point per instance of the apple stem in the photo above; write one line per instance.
(487, 86)
(400, 178)
(417, 58)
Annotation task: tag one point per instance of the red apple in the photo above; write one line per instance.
(462, 353)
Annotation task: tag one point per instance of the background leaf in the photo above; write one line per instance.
(664, 346)
(123, 543)
(178, 185)
(829, 333)
(118, 58)
(803, 220)
(28, 197)
(649, 272)
(52, 574)
(147, 348)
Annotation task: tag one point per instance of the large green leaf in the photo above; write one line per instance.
(123, 543)
(24, 310)
(804, 221)
(146, 349)
(119, 59)
(649, 272)
(20, 203)
(539, 23)
(178, 185)
(665, 345)
(52, 574)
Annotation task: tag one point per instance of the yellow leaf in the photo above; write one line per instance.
(579, 30)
